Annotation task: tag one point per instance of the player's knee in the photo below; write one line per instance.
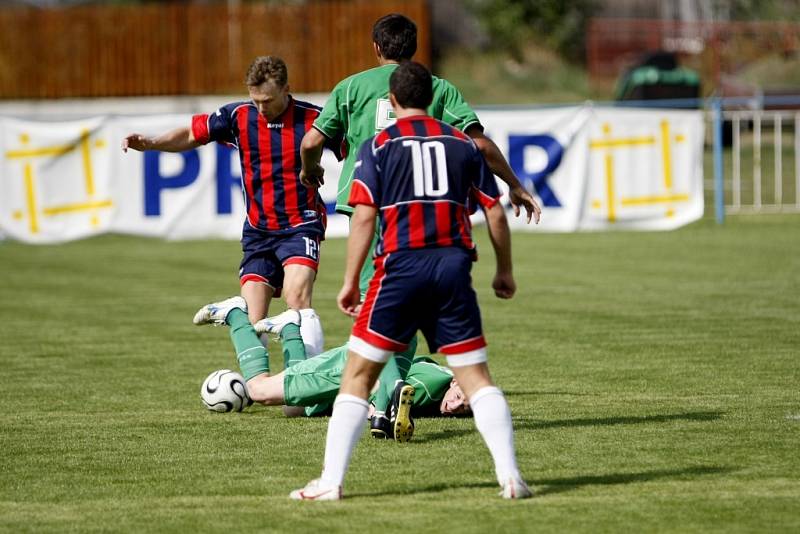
(297, 298)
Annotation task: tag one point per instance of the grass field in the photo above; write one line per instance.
(653, 379)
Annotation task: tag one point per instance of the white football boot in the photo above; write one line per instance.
(276, 323)
(317, 490)
(515, 488)
(216, 312)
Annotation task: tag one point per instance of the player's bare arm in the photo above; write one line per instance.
(362, 228)
(517, 194)
(503, 284)
(312, 173)
(177, 140)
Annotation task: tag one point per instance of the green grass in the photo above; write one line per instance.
(653, 379)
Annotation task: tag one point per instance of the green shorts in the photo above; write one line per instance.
(314, 383)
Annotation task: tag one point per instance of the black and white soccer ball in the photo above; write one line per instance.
(225, 391)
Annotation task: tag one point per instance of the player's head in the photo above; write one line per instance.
(268, 82)
(395, 37)
(411, 86)
(454, 401)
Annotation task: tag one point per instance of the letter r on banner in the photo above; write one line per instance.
(154, 182)
(518, 148)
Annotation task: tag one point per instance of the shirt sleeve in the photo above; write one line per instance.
(456, 111)
(484, 185)
(331, 120)
(365, 188)
(215, 127)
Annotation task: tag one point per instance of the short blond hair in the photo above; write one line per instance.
(265, 68)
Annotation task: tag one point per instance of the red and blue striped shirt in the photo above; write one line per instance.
(423, 175)
(269, 153)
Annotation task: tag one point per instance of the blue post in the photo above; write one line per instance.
(719, 182)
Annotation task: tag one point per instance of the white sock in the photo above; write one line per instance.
(311, 331)
(344, 429)
(493, 419)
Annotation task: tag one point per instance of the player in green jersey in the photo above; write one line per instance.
(312, 385)
(359, 107)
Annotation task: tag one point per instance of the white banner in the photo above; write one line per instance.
(591, 169)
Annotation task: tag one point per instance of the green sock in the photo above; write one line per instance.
(395, 369)
(294, 350)
(252, 355)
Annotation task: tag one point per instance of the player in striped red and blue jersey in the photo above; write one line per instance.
(285, 220)
(416, 213)
(417, 177)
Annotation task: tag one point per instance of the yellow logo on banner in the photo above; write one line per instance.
(609, 144)
(27, 154)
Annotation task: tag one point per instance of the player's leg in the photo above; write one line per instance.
(346, 423)
(368, 269)
(299, 255)
(250, 353)
(298, 285)
(261, 277)
(267, 390)
(286, 326)
(457, 332)
(492, 418)
(384, 326)
(394, 397)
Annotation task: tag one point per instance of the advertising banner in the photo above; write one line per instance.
(590, 168)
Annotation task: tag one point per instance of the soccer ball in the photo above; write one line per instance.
(224, 391)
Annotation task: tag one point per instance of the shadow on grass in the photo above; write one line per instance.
(561, 485)
(535, 424)
(512, 393)
(425, 436)
(432, 488)
(523, 423)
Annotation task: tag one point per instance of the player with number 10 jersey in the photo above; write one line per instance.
(422, 175)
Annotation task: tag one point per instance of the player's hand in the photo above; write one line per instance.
(519, 196)
(349, 299)
(136, 142)
(504, 285)
(313, 177)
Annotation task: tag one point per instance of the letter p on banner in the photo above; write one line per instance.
(155, 181)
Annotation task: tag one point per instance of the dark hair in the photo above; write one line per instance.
(396, 36)
(412, 85)
(265, 68)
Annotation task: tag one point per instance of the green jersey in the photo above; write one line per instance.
(430, 380)
(359, 107)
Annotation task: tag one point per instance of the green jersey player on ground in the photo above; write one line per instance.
(309, 387)
(359, 107)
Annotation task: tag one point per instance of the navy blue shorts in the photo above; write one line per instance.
(266, 255)
(428, 290)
